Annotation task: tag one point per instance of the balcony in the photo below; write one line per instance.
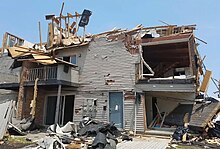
(52, 75)
(43, 73)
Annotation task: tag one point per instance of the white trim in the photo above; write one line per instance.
(142, 59)
(166, 87)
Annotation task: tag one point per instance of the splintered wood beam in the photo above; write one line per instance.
(32, 59)
(65, 62)
(167, 26)
(167, 59)
(14, 36)
(61, 11)
(33, 102)
(4, 43)
(206, 80)
(69, 16)
(31, 51)
(201, 40)
(40, 34)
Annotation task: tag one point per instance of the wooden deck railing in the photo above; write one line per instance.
(42, 73)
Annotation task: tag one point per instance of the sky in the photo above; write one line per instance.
(21, 18)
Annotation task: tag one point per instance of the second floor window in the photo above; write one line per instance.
(72, 59)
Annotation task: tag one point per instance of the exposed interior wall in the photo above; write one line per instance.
(164, 104)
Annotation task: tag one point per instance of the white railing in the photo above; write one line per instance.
(42, 73)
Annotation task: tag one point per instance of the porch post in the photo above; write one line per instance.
(58, 104)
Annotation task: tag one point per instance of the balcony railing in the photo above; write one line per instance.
(42, 73)
(58, 72)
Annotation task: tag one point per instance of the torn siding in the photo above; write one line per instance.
(106, 67)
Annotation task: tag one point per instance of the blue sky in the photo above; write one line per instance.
(21, 18)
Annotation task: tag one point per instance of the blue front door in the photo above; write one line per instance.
(116, 108)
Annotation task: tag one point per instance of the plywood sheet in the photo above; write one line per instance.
(202, 114)
(43, 59)
(205, 81)
(17, 51)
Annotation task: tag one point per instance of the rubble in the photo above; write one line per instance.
(203, 128)
(91, 134)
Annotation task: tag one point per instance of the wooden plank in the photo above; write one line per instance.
(158, 111)
(62, 61)
(33, 102)
(47, 59)
(58, 105)
(40, 35)
(50, 34)
(205, 82)
(4, 43)
(161, 124)
(202, 114)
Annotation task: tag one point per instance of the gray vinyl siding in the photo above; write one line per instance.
(103, 58)
(130, 116)
(99, 62)
(80, 98)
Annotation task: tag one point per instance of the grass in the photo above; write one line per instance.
(15, 142)
(21, 140)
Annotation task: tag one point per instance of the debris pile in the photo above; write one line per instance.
(203, 128)
(91, 134)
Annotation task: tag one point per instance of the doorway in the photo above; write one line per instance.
(65, 111)
(116, 108)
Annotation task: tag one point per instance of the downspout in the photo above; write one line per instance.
(142, 59)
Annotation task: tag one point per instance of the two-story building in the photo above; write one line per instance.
(123, 76)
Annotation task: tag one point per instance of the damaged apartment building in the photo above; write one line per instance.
(132, 78)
